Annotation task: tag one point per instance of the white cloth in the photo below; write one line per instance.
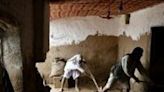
(124, 62)
(73, 67)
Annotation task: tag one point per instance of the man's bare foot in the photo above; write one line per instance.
(105, 89)
(77, 89)
(61, 90)
(100, 89)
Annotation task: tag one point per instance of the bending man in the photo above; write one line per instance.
(125, 69)
(74, 68)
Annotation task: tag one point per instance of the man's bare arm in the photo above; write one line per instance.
(143, 71)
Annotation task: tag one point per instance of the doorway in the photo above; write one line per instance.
(157, 59)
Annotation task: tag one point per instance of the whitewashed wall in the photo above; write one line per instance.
(66, 31)
(142, 21)
(70, 30)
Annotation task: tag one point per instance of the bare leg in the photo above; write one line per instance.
(62, 84)
(110, 82)
(126, 88)
(76, 85)
(90, 75)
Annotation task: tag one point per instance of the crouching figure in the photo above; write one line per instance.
(124, 70)
(74, 68)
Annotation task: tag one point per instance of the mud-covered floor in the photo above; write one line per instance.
(83, 89)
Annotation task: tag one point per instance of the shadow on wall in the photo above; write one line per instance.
(100, 53)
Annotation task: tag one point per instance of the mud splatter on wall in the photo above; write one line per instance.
(100, 53)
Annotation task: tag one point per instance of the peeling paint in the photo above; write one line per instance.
(77, 29)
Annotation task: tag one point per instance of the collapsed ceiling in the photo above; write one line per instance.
(69, 8)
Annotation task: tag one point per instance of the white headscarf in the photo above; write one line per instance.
(75, 59)
(74, 63)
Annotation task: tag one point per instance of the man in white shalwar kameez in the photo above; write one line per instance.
(74, 68)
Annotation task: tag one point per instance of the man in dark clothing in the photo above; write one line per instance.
(125, 69)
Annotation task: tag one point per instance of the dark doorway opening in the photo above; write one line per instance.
(157, 59)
